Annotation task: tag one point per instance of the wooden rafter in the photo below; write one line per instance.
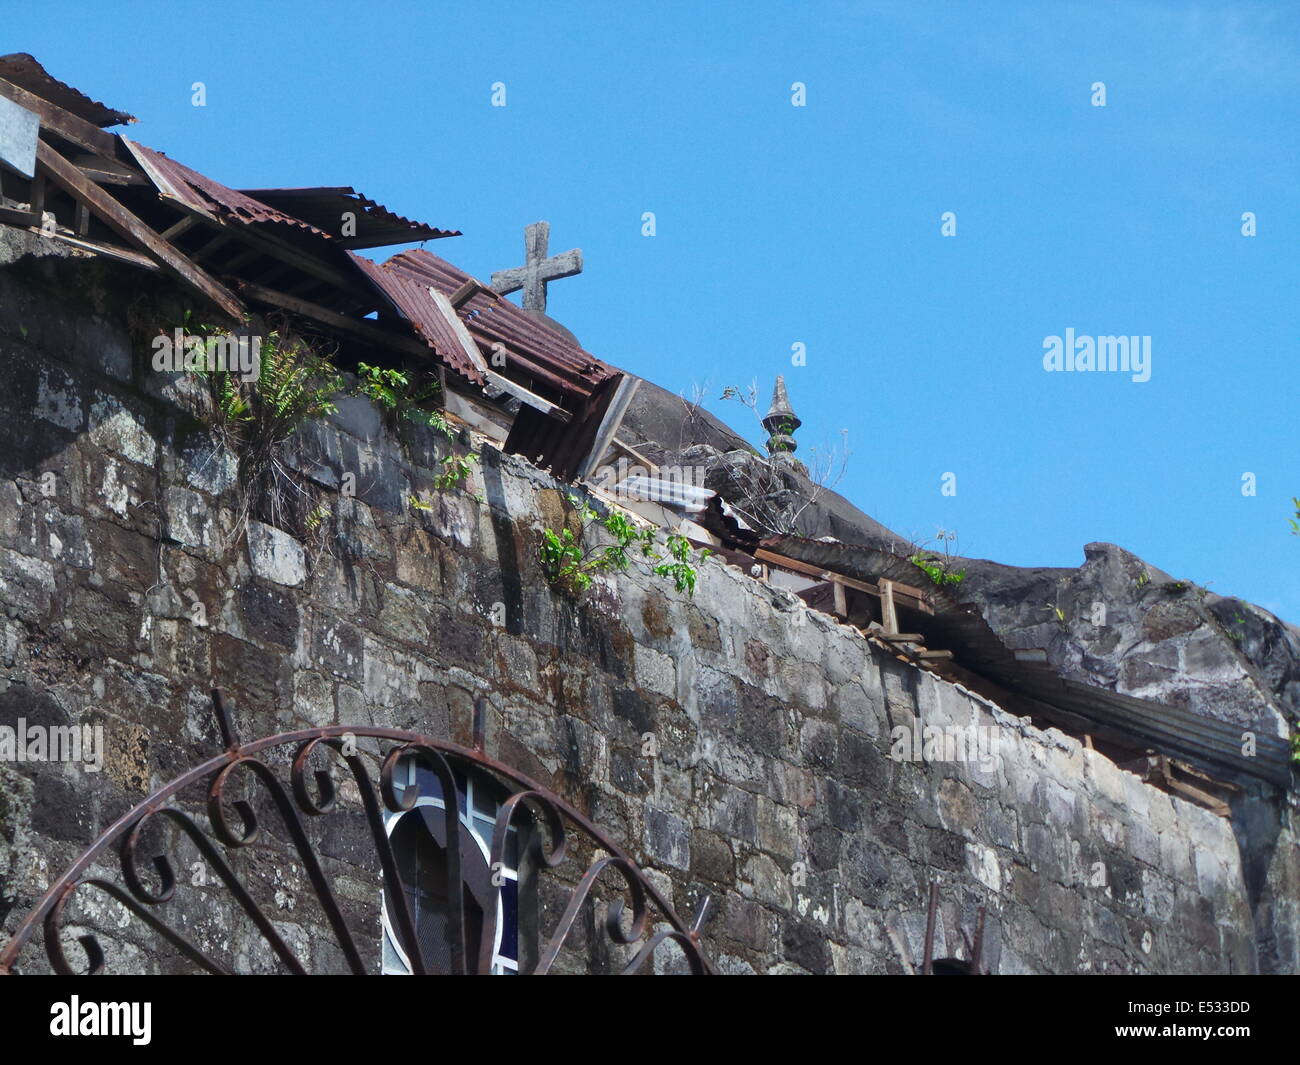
(911, 597)
(126, 225)
(107, 171)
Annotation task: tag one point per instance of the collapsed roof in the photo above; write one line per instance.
(294, 250)
(1023, 680)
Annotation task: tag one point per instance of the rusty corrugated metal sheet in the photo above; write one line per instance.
(557, 366)
(532, 345)
(410, 297)
(25, 72)
(561, 447)
(199, 191)
(376, 225)
(554, 360)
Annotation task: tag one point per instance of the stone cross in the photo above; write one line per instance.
(537, 269)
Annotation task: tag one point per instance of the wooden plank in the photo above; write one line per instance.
(132, 229)
(1203, 798)
(888, 615)
(809, 570)
(240, 260)
(174, 231)
(634, 455)
(13, 217)
(480, 416)
(275, 248)
(107, 171)
(609, 424)
(900, 637)
(522, 394)
(793, 564)
(928, 655)
(208, 248)
(468, 291)
(373, 333)
(466, 342)
(841, 600)
(110, 251)
(67, 125)
(913, 598)
(908, 591)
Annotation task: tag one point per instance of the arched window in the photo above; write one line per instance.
(419, 842)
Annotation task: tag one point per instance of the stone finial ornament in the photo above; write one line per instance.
(781, 421)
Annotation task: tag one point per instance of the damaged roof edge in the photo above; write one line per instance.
(26, 72)
(962, 628)
(326, 208)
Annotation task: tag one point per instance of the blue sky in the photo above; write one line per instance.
(820, 224)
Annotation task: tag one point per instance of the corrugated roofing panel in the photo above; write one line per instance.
(410, 297)
(376, 226)
(25, 72)
(498, 320)
(202, 192)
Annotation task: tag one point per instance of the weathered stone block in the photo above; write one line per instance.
(275, 555)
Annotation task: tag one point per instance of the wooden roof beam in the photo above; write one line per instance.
(126, 225)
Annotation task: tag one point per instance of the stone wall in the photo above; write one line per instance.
(774, 789)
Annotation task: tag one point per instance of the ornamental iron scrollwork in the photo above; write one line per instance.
(554, 836)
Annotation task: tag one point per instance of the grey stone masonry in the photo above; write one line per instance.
(776, 784)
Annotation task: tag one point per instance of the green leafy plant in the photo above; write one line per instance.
(455, 468)
(680, 570)
(294, 383)
(1295, 522)
(404, 395)
(940, 568)
(1295, 747)
(566, 564)
(936, 569)
(256, 418)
